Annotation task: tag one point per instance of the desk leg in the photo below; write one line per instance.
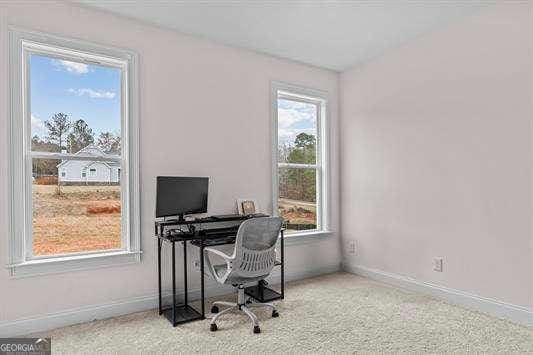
(185, 291)
(202, 286)
(282, 267)
(159, 274)
(174, 284)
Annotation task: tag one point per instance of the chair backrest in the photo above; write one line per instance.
(255, 245)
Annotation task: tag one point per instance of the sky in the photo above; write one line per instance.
(90, 92)
(295, 117)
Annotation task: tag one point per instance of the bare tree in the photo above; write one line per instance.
(58, 127)
(80, 137)
(109, 142)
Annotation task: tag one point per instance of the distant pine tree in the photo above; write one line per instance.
(58, 127)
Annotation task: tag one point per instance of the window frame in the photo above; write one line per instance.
(21, 261)
(319, 98)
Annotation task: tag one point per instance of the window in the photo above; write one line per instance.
(73, 105)
(299, 165)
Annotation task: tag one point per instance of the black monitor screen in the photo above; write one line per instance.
(178, 195)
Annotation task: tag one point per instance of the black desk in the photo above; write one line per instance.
(203, 235)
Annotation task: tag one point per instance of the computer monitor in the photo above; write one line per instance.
(179, 195)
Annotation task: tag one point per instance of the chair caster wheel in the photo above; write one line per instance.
(257, 330)
(275, 314)
(214, 309)
(214, 327)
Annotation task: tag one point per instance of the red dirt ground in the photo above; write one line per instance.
(62, 224)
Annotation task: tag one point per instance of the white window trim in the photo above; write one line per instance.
(323, 210)
(19, 264)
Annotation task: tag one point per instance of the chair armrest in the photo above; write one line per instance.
(226, 258)
(219, 253)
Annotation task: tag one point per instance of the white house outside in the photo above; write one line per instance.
(87, 172)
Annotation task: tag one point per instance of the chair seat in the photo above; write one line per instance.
(220, 269)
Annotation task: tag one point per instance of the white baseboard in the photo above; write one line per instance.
(64, 318)
(493, 307)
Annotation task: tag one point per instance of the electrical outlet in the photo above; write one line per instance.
(437, 264)
(351, 247)
(197, 264)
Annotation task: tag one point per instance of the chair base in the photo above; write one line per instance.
(242, 305)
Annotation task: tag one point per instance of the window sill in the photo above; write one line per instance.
(306, 237)
(73, 263)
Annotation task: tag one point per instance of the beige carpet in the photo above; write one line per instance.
(337, 313)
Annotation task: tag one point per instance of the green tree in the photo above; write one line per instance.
(58, 127)
(80, 136)
(304, 150)
(300, 184)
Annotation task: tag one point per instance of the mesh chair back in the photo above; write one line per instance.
(255, 245)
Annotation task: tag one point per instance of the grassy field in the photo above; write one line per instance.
(63, 224)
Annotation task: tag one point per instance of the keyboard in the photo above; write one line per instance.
(220, 232)
(217, 236)
(227, 217)
(233, 217)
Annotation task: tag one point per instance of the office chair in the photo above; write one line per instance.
(252, 260)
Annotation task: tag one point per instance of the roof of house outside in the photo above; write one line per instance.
(93, 151)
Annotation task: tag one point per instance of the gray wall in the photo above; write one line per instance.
(437, 157)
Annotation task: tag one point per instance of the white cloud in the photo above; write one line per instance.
(72, 67)
(288, 118)
(37, 127)
(93, 93)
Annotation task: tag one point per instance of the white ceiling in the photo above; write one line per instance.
(332, 34)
